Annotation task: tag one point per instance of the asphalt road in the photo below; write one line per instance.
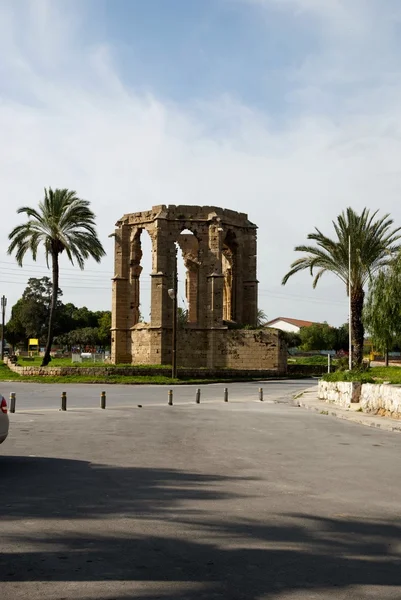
(237, 501)
(31, 395)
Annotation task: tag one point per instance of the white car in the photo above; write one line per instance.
(3, 419)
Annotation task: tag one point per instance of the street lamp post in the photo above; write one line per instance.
(3, 318)
(349, 307)
(173, 295)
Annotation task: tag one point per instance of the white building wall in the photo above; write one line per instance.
(284, 326)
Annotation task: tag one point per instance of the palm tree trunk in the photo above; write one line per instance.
(358, 330)
(55, 277)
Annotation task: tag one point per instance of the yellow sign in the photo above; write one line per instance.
(33, 342)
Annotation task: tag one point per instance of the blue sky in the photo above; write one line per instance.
(286, 109)
(199, 49)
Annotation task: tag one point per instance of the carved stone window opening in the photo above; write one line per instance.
(229, 270)
(189, 245)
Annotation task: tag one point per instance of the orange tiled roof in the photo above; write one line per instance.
(296, 322)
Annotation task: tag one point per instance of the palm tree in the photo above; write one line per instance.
(63, 222)
(373, 245)
(261, 317)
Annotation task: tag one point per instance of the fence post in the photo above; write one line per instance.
(12, 402)
(198, 393)
(63, 400)
(261, 394)
(170, 397)
(103, 400)
(225, 394)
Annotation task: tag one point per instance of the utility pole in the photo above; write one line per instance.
(173, 293)
(3, 318)
(350, 307)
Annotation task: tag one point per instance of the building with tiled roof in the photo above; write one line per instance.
(287, 324)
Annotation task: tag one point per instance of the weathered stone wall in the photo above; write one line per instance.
(220, 348)
(184, 372)
(341, 393)
(247, 348)
(382, 399)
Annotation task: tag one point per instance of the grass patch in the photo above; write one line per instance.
(372, 375)
(66, 362)
(356, 375)
(311, 360)
(7, 375)
(391, 374)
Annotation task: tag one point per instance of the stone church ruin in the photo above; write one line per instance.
(219, 251)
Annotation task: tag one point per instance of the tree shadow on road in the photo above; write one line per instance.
(166, 534)
(60, 488)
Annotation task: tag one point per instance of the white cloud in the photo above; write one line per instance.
(72, 121)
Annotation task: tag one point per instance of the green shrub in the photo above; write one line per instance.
(355, 375)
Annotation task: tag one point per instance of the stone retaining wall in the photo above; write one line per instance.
(102, 371)
(341, 393)
(384, 400)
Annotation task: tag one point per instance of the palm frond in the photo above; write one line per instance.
(62, 222)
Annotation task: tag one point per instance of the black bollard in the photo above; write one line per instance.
(225, 394)
(103, 400)
(197, 399)
(170, 397)
(63, 400)
(261, 394)
(12, 402)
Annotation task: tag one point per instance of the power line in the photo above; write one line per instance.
(40, 266)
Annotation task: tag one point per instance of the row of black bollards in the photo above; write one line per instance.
(103, 399)
(198, 396)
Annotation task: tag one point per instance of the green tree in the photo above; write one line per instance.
(261, 318)
(104, 329)
(62, 223)
(382, 312)
(292, 339)
(342, 338)
(374, 243)
(30, 314)
(15, 331)
(319, 336)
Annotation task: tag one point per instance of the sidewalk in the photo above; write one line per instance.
(309, 400)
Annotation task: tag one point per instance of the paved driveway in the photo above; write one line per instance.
(244, 500)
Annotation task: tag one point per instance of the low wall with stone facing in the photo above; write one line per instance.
(384, 400)
(379, 399)
(341, 393)
(222, 348)
(185, 373)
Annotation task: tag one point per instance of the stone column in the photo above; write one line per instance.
(120, 325)
(135, 273)
(250, 282)
(215, 277)
(164, 253)
(191, 285)
(203, 272)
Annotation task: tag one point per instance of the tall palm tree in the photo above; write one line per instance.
(63, 222)
(373, 245)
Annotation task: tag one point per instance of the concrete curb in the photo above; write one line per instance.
(309, 400)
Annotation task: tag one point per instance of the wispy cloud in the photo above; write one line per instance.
(68, 118)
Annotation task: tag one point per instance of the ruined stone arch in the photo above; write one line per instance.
(229, 268)
(221, 279)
